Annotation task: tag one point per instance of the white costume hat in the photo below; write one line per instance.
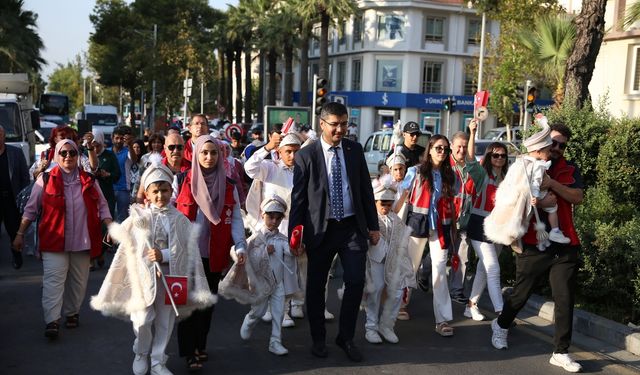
(98, 136)
(383, 189)
(396, 158)
(156, 173)
(274, 204)
(291, 139)
(541, 139)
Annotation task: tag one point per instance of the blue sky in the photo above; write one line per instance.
(65, 27)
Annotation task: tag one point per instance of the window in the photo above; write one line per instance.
(315, 38)
(342, 72)
(389, 75)
(474, 29)
(357, 29)
(356, 75)
(390, 27)
(430, 121)
(342, 33)
(636, 71)
(434, 29)
(470, 84)
(431, 77)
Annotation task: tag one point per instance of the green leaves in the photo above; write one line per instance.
(20, 44)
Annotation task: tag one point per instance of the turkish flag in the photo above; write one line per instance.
(286, 127)
(296, 237)
(178, 289)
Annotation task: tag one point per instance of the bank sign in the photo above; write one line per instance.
(402, 100)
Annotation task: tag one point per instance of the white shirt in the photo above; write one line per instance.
(536, 172)
(347, 202)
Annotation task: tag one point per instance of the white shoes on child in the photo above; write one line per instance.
(287, 321)
(474, 313)
(328, 315)
(556, 235)
(372, 337)
(245, 329)
(267, 317)
(140, 364)
(565, 361)
(388, 334)
(277, 348)
(297, 312)
(160, 370)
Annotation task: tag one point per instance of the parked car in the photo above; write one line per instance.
(482, 144)
(378, 145)
(500, 134)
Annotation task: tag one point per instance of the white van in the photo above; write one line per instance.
(378, 145)
(100, 117)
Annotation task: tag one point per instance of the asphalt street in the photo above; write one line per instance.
(102, 345)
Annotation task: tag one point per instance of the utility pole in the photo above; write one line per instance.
(202, 90)
(526, 121)
(187, 88)
(84, 91)
(153, 84)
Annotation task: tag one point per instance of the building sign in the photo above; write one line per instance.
(389, 75)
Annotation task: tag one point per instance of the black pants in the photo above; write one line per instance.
(562, 263)
(10, 215)
(193, 331)
(344, 239)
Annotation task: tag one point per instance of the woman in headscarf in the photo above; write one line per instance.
(206, 196)
(71, 207)
(47, 157)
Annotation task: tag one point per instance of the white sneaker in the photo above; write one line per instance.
(140, 364)
(499, 336)
(372, 337)
(388, 335)
(277, 348)
(160, 370)
(565, 361)
(474, 313)
(287, 322)
(267, 317)
(557, 236)
(297, 312)
(328, 315)
(245, 330)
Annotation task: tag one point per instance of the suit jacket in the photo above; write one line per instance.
(18, 169)
(310, 194)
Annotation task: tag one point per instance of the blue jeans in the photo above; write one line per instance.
(122, 204)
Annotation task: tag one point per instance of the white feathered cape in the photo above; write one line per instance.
(130, 284)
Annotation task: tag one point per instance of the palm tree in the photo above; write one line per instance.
(551, 42)
(20, 44)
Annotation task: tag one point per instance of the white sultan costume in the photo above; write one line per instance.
(388, 265)
(132, 291)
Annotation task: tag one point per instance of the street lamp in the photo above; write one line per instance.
(481, 57)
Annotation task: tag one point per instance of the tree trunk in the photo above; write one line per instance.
(238, 72)
(287, 98)
(222, 90)
(229, 94)
(324, 45)
(304, 67)
(260, 108)
(247, 88)
(272, 60)
(581, 63)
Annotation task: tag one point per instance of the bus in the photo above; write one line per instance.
(54, 107)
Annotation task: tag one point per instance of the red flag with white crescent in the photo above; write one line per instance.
(296, 237)
(178, 289)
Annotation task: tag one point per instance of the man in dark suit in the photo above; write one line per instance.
(14, 176)
(332, 197)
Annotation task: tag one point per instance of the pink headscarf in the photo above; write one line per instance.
(208, 186)
(59, 158)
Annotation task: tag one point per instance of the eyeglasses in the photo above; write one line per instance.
(441, 149)
(561, 145)
(342, 124)
(498, 156)
(174, 147)
(69, 153)
(416, 134)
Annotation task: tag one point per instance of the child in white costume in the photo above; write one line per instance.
(132, 288)
(268, 240)
(388, 265)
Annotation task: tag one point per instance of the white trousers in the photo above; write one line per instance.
(64, 283)
(276, 302)
(441, 297)
(372, 305)
(487, 273)
(153, 328)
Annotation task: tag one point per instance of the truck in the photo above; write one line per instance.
(98, 117)
(18, 117)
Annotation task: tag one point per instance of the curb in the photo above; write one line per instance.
(589, 324)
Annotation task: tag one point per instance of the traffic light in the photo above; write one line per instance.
(319, 93)
(531, 99)
(450, 104)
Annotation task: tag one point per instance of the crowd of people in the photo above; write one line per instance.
(264, 223)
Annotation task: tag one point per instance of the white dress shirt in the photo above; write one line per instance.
(347, 201)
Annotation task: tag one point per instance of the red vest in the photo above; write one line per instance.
(486, 198)
(51, 226)
(465, 188)
(184, 164)
(220, 240)
(562, 172)
(420, 200)
(187, 154)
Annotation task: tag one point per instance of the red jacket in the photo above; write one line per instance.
(220, 240)
(51, 226)
(420, 201)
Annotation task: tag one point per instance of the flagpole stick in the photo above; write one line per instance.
(166, 288)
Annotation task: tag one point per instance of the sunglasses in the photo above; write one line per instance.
(69, 153)
(441, 149)
(561, 145)
(174, 147)
(498, 156)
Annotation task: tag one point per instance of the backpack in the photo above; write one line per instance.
(23, 196)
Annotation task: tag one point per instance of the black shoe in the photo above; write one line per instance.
(17, 259)
(319, 349)
(459, 298)
(352, 352)
(51, 330)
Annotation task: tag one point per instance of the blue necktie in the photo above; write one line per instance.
(337, 208)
